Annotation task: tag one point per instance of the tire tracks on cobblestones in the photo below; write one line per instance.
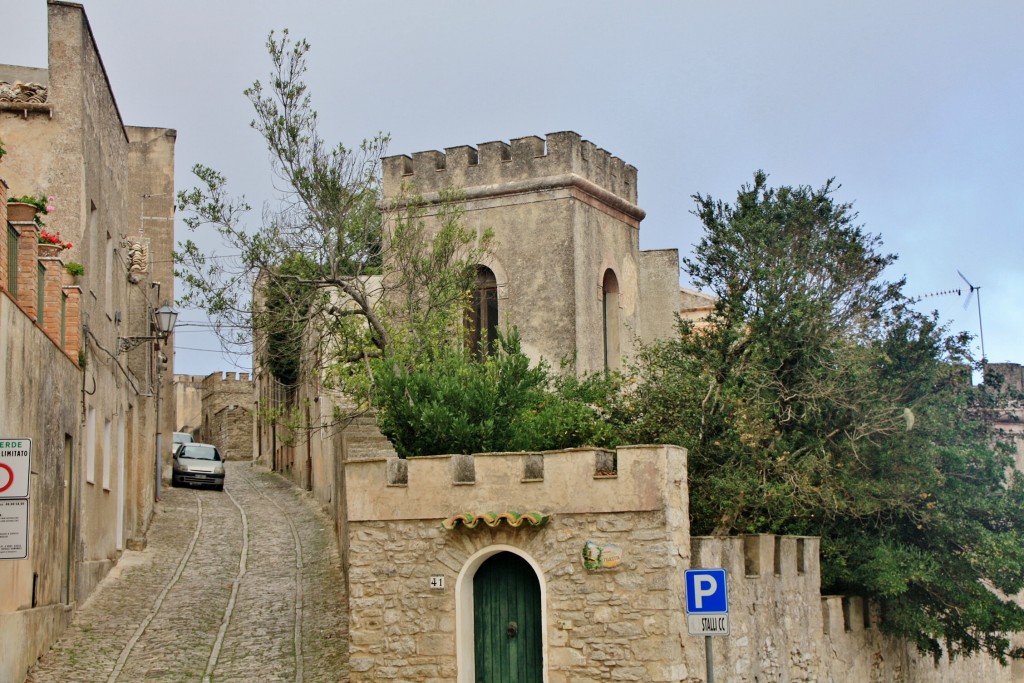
(298, 579)
(243, 586)
(126, 652)
(229, 610)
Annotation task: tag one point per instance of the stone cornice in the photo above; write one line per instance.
(571, 181)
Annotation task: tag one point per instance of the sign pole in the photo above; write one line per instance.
(710, 659)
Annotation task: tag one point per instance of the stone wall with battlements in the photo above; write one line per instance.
(621, 622)
(507, 164)
(610, 563)
(564, 246)
(227, 414)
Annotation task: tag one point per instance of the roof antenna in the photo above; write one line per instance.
(917, 299)
(967, 302)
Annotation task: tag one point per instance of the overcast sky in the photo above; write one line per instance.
(915, 107)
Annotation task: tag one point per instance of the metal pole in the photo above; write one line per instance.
(159, 440)
(709, 656)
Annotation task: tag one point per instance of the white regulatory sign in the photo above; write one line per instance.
(15, 466)
(707, 624)
(13, 529)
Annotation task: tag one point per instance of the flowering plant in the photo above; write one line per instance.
(44, 206)
(46, 237)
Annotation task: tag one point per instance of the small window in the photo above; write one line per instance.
(482, 320)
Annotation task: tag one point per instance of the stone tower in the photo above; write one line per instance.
(565, 265)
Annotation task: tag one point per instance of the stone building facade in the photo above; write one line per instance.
(565, 258)
(82, 390)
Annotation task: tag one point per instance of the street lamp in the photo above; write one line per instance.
(164, 319)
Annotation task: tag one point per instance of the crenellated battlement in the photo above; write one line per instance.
(215, 379)
(762, 556)
(631, 478)
(560, 155)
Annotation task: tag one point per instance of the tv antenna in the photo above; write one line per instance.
(944, 292)
(967, 302)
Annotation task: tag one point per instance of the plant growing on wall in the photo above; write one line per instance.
(815, 401)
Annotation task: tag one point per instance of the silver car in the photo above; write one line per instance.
(199, 464)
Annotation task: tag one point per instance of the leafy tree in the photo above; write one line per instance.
(815, 401)
(370, 278)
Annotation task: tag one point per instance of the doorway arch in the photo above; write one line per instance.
(489, 569)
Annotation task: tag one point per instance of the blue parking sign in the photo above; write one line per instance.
(706, 592)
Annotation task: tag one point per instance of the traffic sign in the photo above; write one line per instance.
(15, 466)
(13, 529)
(707, 602)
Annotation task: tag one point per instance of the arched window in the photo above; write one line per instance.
(482, 320)
(610, 320)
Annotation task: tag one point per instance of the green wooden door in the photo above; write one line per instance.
(506, 621)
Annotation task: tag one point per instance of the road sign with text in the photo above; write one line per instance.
(707, 602)
(15, 466)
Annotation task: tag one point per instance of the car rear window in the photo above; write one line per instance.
(199, 452)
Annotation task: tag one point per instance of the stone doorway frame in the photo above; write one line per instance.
(465, 655)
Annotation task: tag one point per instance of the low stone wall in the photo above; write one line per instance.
(783, 629)
(27, 635)
(610, 562)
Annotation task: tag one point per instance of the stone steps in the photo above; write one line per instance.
(362, 440)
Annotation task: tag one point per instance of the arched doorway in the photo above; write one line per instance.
(507, 629)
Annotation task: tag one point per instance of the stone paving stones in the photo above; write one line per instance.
(243, 585)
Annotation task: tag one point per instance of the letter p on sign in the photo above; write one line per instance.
(706, 591)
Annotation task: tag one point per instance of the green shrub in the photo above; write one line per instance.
(447, 402)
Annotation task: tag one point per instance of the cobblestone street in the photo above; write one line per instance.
(239, 585)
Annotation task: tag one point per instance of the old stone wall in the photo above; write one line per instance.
(39, 392)
(525, 159)
(227, 414)
(783, 629)
(620, 617)
(623, 621)
(188, 400)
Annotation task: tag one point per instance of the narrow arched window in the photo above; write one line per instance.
(610, 320)
(482, 321)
